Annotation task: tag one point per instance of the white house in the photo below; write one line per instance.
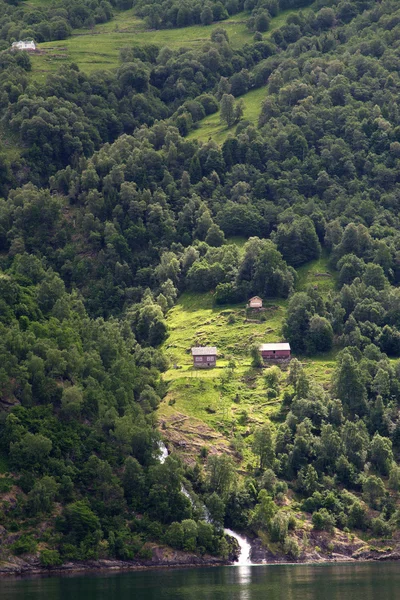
(28, 45)
(255, 302)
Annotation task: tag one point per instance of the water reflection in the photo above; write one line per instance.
(243, 577)
(284, 582)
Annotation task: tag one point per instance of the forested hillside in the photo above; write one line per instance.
(127, 236)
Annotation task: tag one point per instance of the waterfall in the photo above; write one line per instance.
(164, 452)
(245, 548)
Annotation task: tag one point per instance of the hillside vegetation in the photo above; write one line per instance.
(217, 406)
(99, 48)
(133, 226)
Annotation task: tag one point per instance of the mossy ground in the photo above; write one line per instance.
(228, 401)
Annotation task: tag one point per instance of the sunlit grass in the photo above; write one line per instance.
(212, 128)
(318, 274)
(99, 48)
(224, 400)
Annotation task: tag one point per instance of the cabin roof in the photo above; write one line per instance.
(279, 346)
(24, 42)
(204, 350)
(255, 298)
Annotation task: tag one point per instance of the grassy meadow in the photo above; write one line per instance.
(219, 408)
(212, 126)
(99, 48)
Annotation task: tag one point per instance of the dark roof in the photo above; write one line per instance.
(203, 350)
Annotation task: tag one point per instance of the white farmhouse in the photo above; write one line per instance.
(28, 45)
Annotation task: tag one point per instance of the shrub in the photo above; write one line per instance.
(357, 516)
(204, 452)
(278, 528)
(322, 520)
(292, 522)
(24, 545)
(291, 548)
(50, 558)
(5, 485)
(380, 528)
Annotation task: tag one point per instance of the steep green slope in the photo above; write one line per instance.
(219, 405)
(135, 227)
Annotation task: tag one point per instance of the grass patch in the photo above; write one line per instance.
(317, 273)
(99, 48)
(212, 127)
(216, 407)
(196, 321)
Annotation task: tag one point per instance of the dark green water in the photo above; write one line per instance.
(302, 582)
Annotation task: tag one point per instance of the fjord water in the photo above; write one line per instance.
(367, 581)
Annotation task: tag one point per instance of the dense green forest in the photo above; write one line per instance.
(111, 211)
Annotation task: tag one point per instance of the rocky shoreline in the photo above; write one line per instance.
(31, 565)
(166, 559)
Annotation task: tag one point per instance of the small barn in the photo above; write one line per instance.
(255, 302)
(27, 45)
(280, 351)
(204, 357)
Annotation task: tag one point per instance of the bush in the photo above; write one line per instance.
(50, 558)
(322, 520)
(5, 485)
(278, 528)
(24, 545)
(380, 528)
(357, 516)
(292, 522)
(291, 548)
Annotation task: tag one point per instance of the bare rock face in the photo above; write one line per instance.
(163, 556)
(262, 555)
(325, 547)
(234, 548)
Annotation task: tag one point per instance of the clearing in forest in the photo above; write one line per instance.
(218, 408)
(99, 48)
(211, 127)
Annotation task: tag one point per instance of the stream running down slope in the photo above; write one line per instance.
(245, 547)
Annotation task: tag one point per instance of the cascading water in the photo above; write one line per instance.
(245, 548)
(164, 452)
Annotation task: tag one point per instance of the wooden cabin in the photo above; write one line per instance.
(255, 302)
(204, 357)
(279, 351)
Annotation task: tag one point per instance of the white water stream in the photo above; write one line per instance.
(164, 452)
(245, 548)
